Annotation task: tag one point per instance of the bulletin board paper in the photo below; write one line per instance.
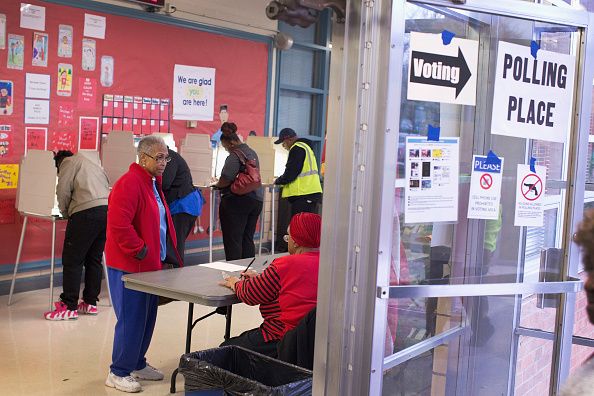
(9, 175)
(32, 17)
(95, 26)
(193, 93)
(432, 171)
(37, 86)
(37, 111)
(88, 133)
(35, 139)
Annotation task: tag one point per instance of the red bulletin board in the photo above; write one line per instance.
(145, 54)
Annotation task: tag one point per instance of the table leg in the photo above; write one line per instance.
(18, 259)
(52, 264)
(189, 328)
(262, 221)
(228, 323)
(272, 222)
(173, 378)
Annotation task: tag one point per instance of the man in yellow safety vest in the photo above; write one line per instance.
(301, 180)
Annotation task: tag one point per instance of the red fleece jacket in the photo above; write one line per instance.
(133, 243)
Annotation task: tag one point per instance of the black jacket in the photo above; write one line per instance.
(294, 164)
(177, 179)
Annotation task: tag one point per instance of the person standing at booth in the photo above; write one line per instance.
(138, 227)
(238, 213)
(82, 191)
(301, 180)
(184, 200)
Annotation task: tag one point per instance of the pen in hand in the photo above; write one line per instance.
(248, 266)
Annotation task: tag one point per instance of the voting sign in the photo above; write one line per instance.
(193, 93)
(485, 188)
(533, 96)
(530, 191)
(442, 73)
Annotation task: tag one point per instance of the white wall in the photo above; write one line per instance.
(244, 15)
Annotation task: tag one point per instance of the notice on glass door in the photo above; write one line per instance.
(485, 188)
(530, 191)
(432, 170)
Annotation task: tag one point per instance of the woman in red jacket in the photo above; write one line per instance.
(138, 226)
(286, 291)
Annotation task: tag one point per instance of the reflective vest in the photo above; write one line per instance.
(308, 181)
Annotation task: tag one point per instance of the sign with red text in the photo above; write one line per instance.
(533, 97)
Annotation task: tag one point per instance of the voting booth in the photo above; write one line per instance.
(118, 153)
(197, 152)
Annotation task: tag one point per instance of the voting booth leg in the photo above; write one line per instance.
(211, 224)
(228, 322)
(262, 221)
(52, 264)
(272, 220)
(189, 328)
(106, 278)
(18, 259)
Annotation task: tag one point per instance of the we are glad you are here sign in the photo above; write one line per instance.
(533, 94)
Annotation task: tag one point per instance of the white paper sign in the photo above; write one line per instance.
(94, 26)
(530, 191)
(533, 98)
(432, 169)
(193, 93)
(32, 17)
(2, 31)
(37, 111)
(442, 73)
(485, 188)
(37, 86)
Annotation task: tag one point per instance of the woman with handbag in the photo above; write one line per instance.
(241, 195)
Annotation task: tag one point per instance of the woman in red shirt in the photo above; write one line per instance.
(286, 291)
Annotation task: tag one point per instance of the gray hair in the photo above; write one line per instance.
(146, 144)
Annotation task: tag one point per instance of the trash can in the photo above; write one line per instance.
(239, 371)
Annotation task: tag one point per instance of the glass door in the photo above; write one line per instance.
(478, 302)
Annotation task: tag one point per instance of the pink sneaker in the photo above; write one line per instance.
(87, 309)
(61, 312)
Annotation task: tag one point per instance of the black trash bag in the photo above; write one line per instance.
(241, 372)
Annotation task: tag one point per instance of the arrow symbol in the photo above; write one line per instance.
(440, 70)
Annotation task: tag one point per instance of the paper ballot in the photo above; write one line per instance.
(223, 266)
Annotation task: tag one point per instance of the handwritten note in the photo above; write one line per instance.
(9, 176)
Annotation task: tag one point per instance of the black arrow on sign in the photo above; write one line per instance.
(445, 60)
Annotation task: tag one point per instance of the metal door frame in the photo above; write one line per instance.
(359, 194)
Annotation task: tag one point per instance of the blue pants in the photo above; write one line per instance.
(136, 313)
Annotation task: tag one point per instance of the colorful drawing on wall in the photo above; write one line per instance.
(9, 176)
(2, 31)
(64, 80)
(40, 41)
(35, 139)
(16, 52)
(65, 41)
(5, 97)
(106, 71)
(89, 54)
(88, 133)
(5, 140)
(65, 115)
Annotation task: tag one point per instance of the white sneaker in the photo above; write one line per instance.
(125, 384)
(148, 373)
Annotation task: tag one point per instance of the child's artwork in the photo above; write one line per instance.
(88, 54)
(64, 80)
(16, 52)
(40, 41)
(5, 97)
(106, 71)
(65, 41)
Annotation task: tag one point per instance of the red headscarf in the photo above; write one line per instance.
(305, 229)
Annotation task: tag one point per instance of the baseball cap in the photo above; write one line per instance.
(285, 133)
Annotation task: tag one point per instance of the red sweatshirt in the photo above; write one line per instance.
(286, 291)
(133, 223)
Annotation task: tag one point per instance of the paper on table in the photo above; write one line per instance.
(221, 265)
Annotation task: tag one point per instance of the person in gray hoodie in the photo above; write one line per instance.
(82, 191)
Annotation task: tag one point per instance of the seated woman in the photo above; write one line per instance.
(286, 291)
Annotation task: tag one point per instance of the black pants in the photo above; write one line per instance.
(183, 223)
(83, 246)
(238, 215)
(254, 341)
(303, 204)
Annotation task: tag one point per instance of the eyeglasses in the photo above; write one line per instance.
(286, 238)
(160, 158)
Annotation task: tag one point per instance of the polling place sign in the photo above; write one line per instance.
(193, 93)
(533, 96)
(442, 73)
